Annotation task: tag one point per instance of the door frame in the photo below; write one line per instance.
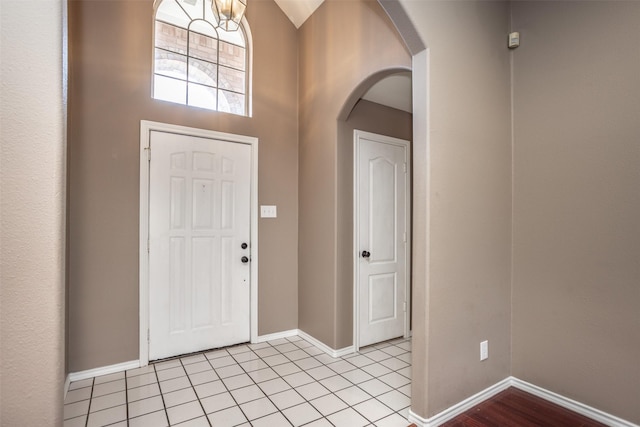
(146, 127)
(357, 135)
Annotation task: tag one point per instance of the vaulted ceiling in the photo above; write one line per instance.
(298, 10)
(393, 91)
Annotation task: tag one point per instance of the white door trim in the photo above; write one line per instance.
(357, 134)
(145, 134)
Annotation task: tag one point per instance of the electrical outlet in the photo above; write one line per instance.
(484, 350)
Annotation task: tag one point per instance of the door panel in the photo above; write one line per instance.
(381, 218)
(199, 201)
(382, 297)
(382, 210)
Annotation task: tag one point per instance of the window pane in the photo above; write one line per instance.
(194, 8)
(171, 64)
(231, 102)
(169, 11)
(168, 89)
(202, 72)
(235, 37)
(231, 79)
(208, 15)
(170, 37)
(203, 47)
(203, 27)
(202, 96)
(232, 56)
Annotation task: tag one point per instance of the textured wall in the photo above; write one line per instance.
(32, 196)
(110, 92)
(576, 286)
(341, 45)
(465, 297)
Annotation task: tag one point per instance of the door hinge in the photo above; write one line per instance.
(149, 334)
(404, 237)
(148, 150)
(148, 245)
(404, 167)
(404, 307)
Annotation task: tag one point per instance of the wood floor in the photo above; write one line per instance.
(516, 408)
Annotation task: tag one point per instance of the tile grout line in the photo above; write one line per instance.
(225, 387)
(86, 422)
(164, 405)
(260, 388)
(194, 391)
(318, 382)
(126, 398)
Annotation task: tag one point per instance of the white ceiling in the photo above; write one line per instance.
(298, 10)
(393, 91)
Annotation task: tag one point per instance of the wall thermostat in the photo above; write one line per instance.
(514, 40)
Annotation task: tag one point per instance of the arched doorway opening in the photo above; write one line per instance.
(380, 107)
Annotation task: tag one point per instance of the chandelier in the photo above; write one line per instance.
(228, 13)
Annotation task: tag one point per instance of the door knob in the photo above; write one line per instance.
(244, 246)
(366, 254)
(244, 259)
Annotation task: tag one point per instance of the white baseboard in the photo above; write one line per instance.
(67, 383)
(297, 332)
(460, 407)
(343, 351)
(575, 406)
(111, 369)
(322, 346)
(565, 402)
(417, 419)
(276, 336)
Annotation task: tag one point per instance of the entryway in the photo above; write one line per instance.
(198, 260)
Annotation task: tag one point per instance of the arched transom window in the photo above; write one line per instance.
(197, 63)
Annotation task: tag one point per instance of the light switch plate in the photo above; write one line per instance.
(484, 350)
(267, 211)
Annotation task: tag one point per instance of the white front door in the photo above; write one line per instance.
(382, 231)
(199, 224)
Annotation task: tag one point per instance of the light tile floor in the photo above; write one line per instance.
(285, 382)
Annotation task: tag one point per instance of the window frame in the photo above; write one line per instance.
(248, 71)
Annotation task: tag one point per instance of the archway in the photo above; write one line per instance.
(370, 107)
(361, 89)
(364, 113)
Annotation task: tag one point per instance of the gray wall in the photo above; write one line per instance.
(341, 45)
(576, 283)
(110, 92)
(465, 296)
(572, 326)
(32, 123)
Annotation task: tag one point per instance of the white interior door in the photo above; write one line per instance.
(199, 223)
(382, 230)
